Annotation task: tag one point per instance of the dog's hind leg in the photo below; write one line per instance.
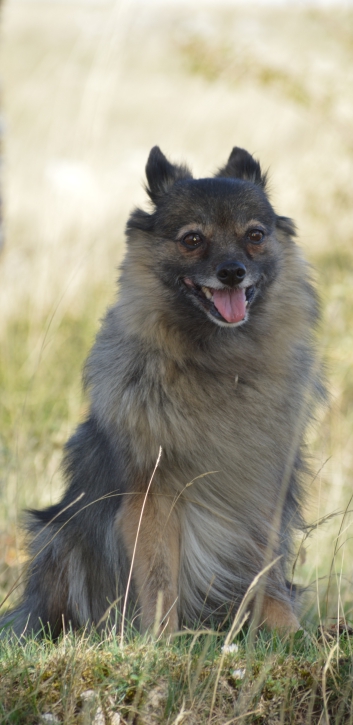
(152, 544)
(278, 615)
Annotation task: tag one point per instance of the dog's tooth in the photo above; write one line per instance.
(246, 303)
(207, 292)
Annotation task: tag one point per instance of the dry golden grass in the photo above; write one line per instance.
(88, 89)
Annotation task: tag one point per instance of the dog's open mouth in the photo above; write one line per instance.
(228, 305)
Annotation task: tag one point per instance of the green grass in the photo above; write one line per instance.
(302, 680)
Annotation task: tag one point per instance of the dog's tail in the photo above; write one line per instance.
(19, 622)
(77, 565)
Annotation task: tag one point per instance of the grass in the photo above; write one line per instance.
(88, 90)
(301, 680)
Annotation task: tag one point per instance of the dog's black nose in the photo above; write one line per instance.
(231, 273)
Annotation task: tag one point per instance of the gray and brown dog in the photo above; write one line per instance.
(209, 353)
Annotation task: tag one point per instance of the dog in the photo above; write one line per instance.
(186, 482)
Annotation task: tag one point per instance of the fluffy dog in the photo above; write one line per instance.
(209, 354)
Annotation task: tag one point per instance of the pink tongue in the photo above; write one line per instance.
(230, 303)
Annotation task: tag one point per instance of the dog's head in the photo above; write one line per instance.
(213, 241)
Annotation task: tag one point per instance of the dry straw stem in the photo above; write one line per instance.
(275, 527)
(324, 679)
(175, 500)
(134, 549)
(239, 620)
(193, 680)
(345, 513)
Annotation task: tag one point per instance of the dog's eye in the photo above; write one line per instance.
(255, 236)
(192, 241)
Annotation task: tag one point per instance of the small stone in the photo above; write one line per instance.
(49, 718)
(88, 695)
(91, 707)
(114, 718)
(99, 718)
(154, 706)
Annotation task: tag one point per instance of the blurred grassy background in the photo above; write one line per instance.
(88, 88)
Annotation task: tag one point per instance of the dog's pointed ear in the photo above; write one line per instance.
(161, 174)
(241, 165)
(286, 225)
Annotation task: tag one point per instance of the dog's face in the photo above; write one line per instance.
(213, 240)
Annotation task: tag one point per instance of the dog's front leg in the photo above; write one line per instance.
(152, 542)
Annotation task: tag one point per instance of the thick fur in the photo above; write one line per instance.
(228, 404)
